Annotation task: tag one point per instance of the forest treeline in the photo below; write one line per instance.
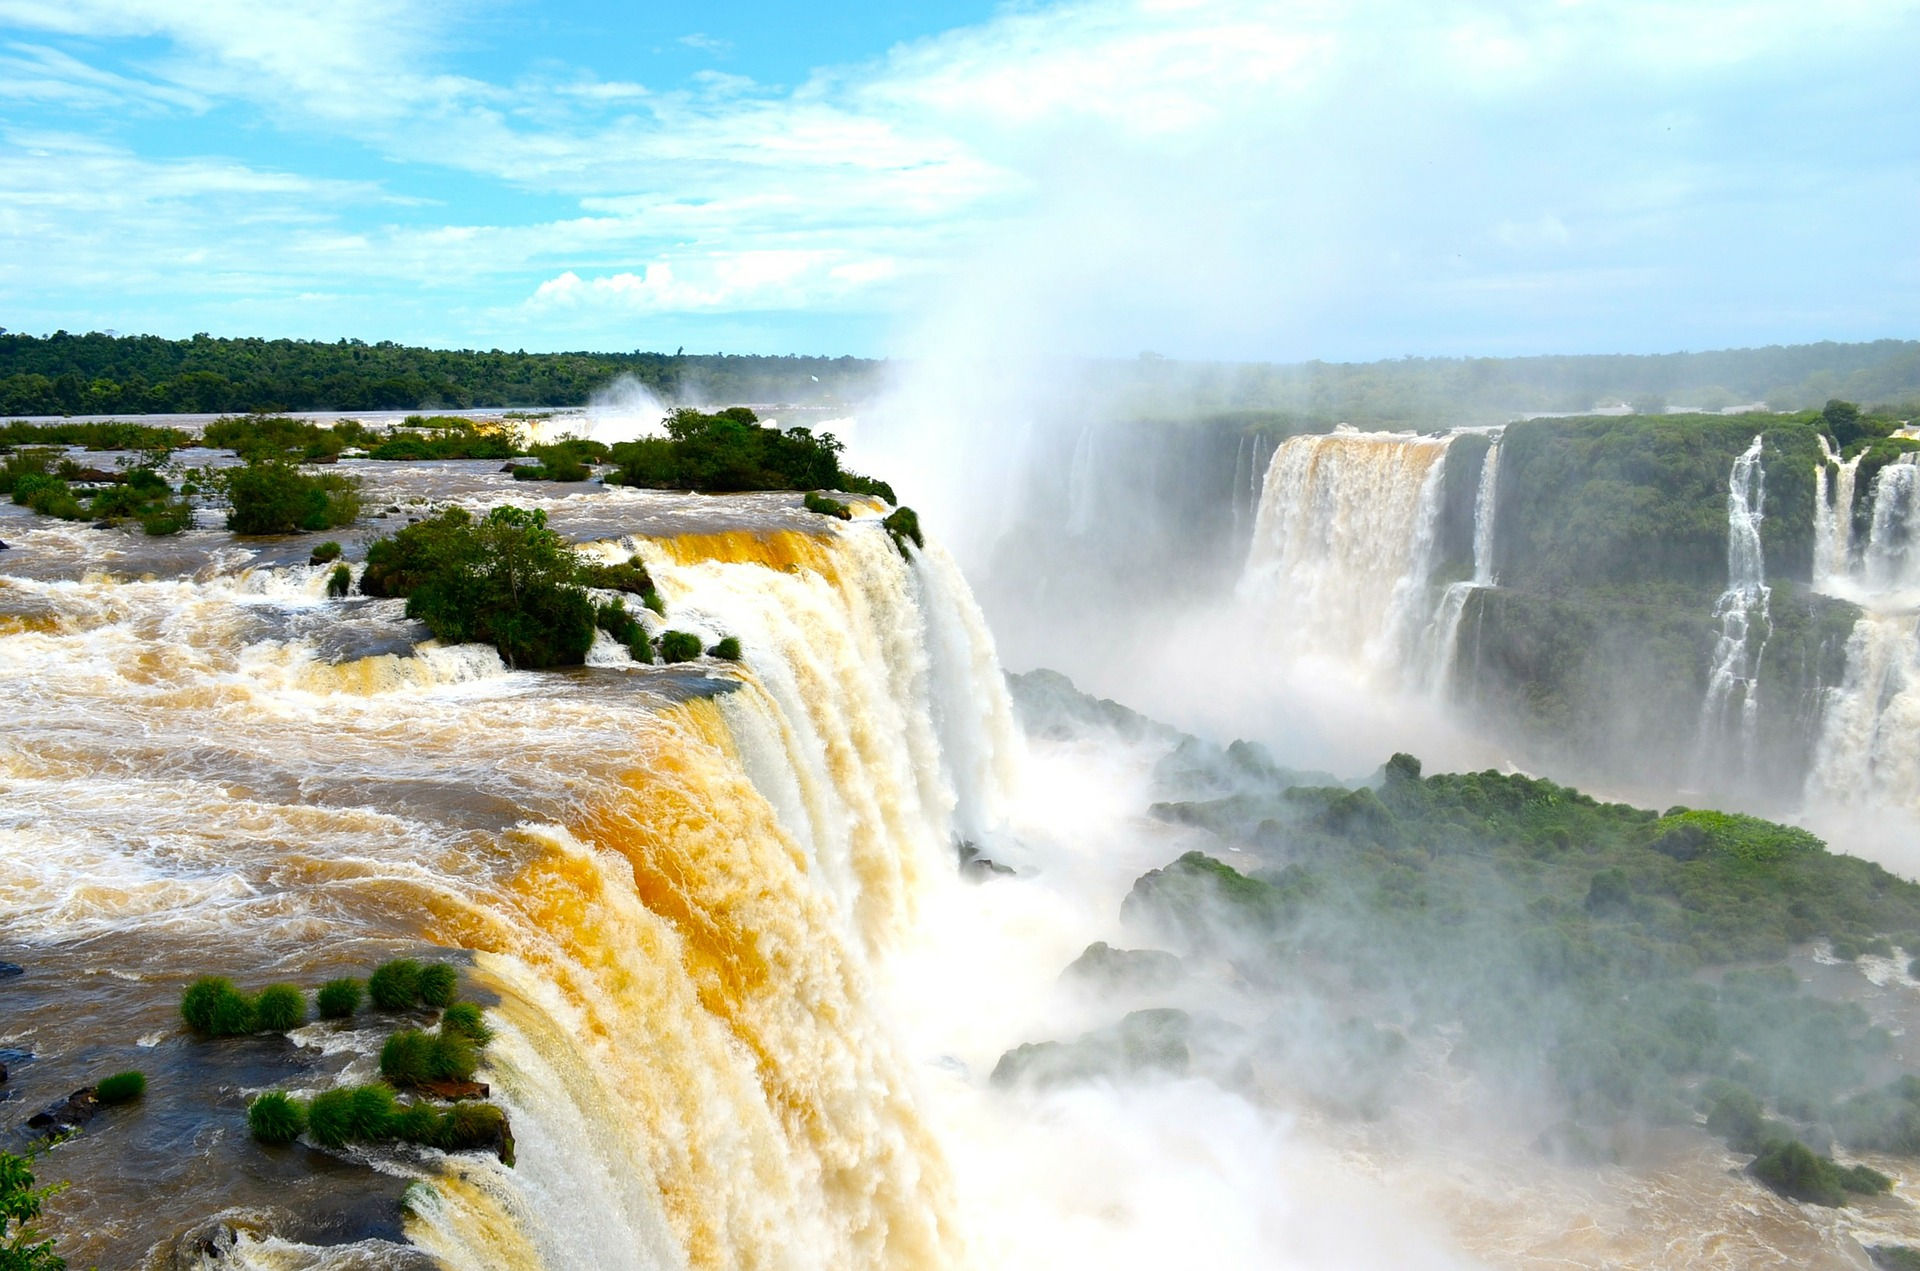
(98, 374)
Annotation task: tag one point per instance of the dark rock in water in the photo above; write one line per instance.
(974, 866)
(4, 1074)
(506, 1141)
(1145, 1043)
(1108, 967)
(209, 1241)
(5, 548)
(509, 466)
(1894, 1257)
(453, 1091)
(67, 1115)
(10, 969)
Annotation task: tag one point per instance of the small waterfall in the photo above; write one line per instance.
(1833, 518)
(1343, 545)
(1080, 492)
(1733, 681)
(1867, 754)
(1443, 634)
(1891, 564)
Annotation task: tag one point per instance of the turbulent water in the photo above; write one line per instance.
(677, 887)
(1866, 755)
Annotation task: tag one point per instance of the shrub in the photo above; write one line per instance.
(451, 1057)
(439, 984)
(629, 576)
(214, 1007)
(158, 520)
(471, 1125)
(679, 646)
(731, 450)
(276, 1119)
(330, 1117)
(464, 1019)
(418, 1123)
(121, 1087)
(816, 502)
(278, 1008)
(339, 582)
(372, 1112)
(21, 1248)
(614, 619)
(903, 525)
(728, 649)
(273, 496)
(47, 495)
(325, 553)
(1794, 1170)
(406, 1058)
(338, 999)
(505, 580)
(395, 985)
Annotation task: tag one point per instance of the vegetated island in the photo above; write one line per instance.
(1628, 965)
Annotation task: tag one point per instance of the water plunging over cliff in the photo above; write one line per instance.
(1343, 547)
(1443, 634)
(680, 898)
(1731, 711)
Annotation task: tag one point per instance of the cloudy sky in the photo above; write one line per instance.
(1207, 178)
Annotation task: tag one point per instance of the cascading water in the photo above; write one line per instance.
(1443, 633)
(679, 898)
(1866, 754)
(1343, 546)
(1833, 518)
(1731, 710)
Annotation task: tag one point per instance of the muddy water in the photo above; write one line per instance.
(669, 883)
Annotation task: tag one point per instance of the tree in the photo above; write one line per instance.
(1843, 421)
(21, 1248)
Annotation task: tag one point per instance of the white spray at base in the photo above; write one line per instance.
(1731, 710)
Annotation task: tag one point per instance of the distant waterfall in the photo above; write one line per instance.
(1343, 545)
(1833, 518)
(1869, 748)
(1443, 634)
(1733, 682)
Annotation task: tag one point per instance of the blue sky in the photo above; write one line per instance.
(1202, 178)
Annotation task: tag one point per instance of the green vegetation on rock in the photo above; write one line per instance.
(395, 985)
(732, 451)
(121, 1087)
(338, 999)
(279, 1007)
(213, 1006)
(276, 1119)
(276, 496)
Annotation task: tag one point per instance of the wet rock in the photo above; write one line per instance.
(5, 548)
(67, 1115)
(10, 969)
(4, 1074)
(210, 1241)
(453, 1091)
(977, 868)
(1104, 966)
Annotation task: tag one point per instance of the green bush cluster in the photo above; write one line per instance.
(1798, 1172)
(370, 1114)
(446, 437)
(325, 554)
(465, 1019)
(214, 1007)
(21, 1246)
(817, 502)
(727, 650)
(276, 1118)
(271, 495)
(112, 434)
(339, 999)
(903, 526)
(279, 1007)
(340, 582)
(121, 1087)
(730, 451)
(679, 646)
(565, 460)
(281, 437)
(1563, 934)
(614, 619)
(414, 1058)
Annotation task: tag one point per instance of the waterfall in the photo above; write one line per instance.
(1080, 491)
(1343, 546)
(681, 898)
(1733, 681)
(1868, 752)
(1833, 518)
(1443, 634)
(1891, 562)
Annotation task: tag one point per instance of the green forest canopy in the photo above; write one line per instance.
(99, 374)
